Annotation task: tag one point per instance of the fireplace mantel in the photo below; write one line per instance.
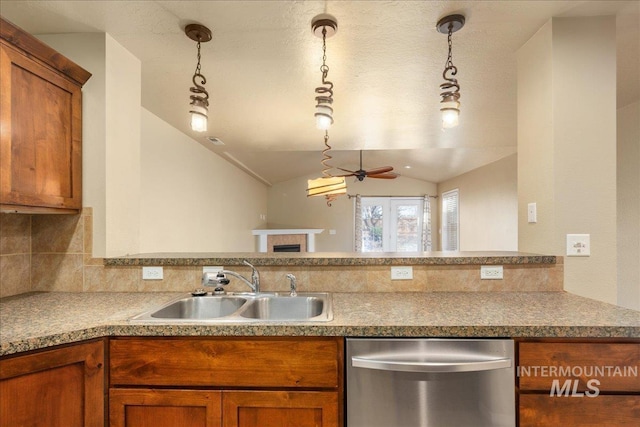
(309, 232)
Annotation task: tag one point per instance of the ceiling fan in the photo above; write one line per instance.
(383, 172)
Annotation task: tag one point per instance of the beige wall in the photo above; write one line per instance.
(536, 179)
(628, 206)
(122, 174)
(192, 200)
(289, 206)
(488, 198)
(567, 147)
(111, 137)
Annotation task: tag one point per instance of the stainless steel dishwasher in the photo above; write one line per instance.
(407, 382)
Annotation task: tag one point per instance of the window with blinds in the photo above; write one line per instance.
(450, 221)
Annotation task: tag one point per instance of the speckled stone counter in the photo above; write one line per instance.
(34, 321)
(331, 259)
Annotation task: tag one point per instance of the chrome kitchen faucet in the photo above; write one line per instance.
(219, 278)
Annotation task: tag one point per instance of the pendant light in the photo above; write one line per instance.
(200, 97)
(329, 186)
(449, 103)
(324, 26)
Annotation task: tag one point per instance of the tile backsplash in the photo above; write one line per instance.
(53, 253)
(43, 252)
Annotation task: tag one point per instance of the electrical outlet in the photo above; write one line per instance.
(209, 269)
(578, 244)
(491, 272)
(152, 273)
(401, 273)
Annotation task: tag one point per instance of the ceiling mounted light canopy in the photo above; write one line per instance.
(200, 97)
(324, 26)
(450, 104)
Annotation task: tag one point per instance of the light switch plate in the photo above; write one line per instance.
(532, 213)
(209, 269)
(578, 244)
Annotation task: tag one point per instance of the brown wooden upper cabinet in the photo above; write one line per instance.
(40, 126)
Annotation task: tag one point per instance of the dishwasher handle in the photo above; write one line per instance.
(399, 365)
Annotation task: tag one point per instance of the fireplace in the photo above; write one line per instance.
(287, 240)
(286, 248)
(302, 237)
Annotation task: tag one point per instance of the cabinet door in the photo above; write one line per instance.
(542, 410)
(41, 136)
(589, 361)
(61, 387)
(280, 409)
(164, 408)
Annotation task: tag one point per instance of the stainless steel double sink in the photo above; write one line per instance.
(269, 307)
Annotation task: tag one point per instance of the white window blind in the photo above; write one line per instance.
(450, 221)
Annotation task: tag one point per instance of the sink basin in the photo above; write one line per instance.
(242, 308)
(197, 308)
(285, 308)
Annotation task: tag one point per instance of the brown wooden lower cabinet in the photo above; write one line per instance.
(542, 410)
(226, 381)
(279, 409)
(573, 382)
(164, 408)
(59, 387)
(205, 408)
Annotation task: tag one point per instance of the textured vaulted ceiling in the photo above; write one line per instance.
(386, 63)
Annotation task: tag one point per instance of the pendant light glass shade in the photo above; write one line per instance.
(324, 116)
(450, 112)
(198, 122)
(198, 117)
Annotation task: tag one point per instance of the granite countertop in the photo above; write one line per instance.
(331, 258)
(34, 321)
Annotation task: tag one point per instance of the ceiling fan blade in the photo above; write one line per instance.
(346, 174)
(384, 176)
(345, 170)
(382, 169)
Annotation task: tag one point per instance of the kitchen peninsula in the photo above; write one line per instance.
(72, 331)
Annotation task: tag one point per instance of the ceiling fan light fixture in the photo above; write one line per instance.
(450, 96)
(199, 110)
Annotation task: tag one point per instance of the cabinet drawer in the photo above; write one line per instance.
(226, 362)
(615, 366)
(540, 410)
